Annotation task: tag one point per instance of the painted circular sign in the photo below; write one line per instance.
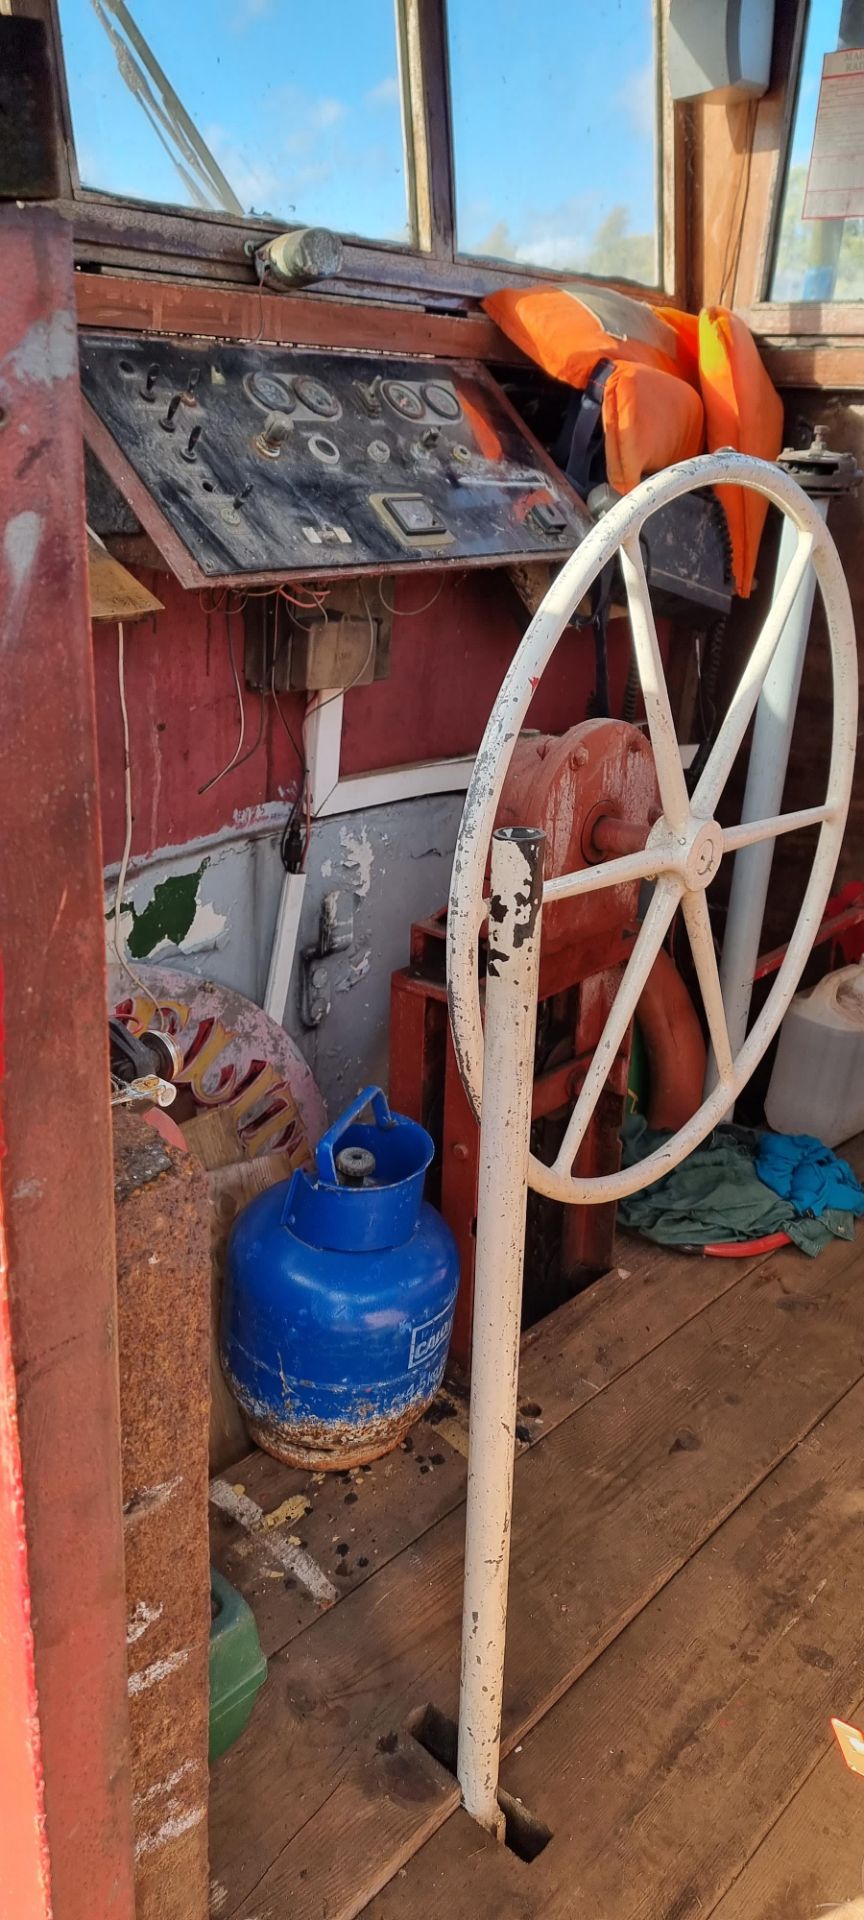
(237, 1062)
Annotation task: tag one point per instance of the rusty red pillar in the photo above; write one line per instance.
(57, 1171)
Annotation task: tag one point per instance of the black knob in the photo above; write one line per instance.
(147, 392)
(192, 442)
(167, 420)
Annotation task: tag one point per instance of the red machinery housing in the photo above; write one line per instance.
(594, 792)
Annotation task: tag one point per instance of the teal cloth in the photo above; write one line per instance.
(716, 1196)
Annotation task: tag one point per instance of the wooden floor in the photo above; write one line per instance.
(686, 1615)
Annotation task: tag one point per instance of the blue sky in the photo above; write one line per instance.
(820, 39)
(553, 113)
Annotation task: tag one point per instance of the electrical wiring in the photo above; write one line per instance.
(118, 941)
(241, 711)
(409, 612)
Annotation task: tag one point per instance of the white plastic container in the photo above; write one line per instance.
(817, 1085)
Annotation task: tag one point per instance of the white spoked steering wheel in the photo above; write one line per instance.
(686, 846)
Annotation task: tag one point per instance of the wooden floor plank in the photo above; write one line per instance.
(376, 1512)
(813, 1858)
(608, 1508)
(666, 1764)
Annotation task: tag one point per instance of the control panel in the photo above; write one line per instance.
(247, 462)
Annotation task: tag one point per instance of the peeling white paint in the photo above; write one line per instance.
(157, 1670)
(257, 816)
(150, 1497)
(20, 542)
(28, 1190)
(292, 1559)
(168, 1785)
(48, 352)
(218, 1896)
(326, 869)
(171, 1829)
(141, 1617)
(356, 972)
(207, 931)
(358, 857)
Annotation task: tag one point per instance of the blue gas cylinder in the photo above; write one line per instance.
(339, 1293)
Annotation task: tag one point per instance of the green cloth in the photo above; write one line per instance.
(715, 1195)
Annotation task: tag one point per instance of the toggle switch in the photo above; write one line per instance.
(167, 420)
(188, 452)
(190, 397)
(148, 389)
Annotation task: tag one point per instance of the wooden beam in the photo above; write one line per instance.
(801, 319)
(426, 79)
(311, 320)
(54, 1110)
(815, 363)
(739, 150)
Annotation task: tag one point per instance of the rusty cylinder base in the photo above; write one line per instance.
(333, 1449)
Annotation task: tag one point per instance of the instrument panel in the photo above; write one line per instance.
(247, 462)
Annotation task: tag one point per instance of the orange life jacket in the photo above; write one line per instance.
(679, 383)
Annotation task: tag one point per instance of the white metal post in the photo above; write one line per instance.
(508, 1076)
(763, 794)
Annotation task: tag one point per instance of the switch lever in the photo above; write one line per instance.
(167, 420)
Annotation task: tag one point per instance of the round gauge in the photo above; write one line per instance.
(404, 400)
(271, 391)
(442, 401)
(318, 398)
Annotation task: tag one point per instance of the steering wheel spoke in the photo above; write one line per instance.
(697, 919)
(658, 711)
(647, 864)
(749, 832)
(742, 707)
(649, 940)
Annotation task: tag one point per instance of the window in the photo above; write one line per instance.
(555, 134)
(250, 107)
(820, 248)
(459, 135)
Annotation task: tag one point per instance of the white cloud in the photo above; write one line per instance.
(247, 12)
(313, 174)
(637, 98)
(325, 113)
(255, 183)
(552, 249)
(383, 94)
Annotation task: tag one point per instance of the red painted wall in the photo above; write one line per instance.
(447, 663)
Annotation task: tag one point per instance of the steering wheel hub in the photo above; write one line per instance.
(693, 854)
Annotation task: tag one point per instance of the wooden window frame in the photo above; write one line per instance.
(138, 237)
(766, 164)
